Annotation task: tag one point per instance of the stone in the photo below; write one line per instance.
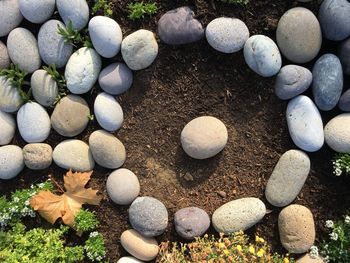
(337, 133)
(4, 57)
(262, 55)
(344, 102)
(143, 248)
(299, 35)
(116, 78)
(343, 54)
(123, 186)
(73, 154)
(107, 150)
(288, 178)
(52, 48)
(139, 49)
(8, 127)
(74, 11)
(10, 16)
(33, 122)
(108, 112)
(334, 19)
(106, 36)
(23, 49)
(305, 124)
(82, 70)
(70, 116)
(129, 260)
(204, 137)
(291, 81)
(148, 216)
(10, 99)
(178, 27)
(37, 156)
(227, 35)
(44, 88)
(11, 161)
(37, 11)
(327, 84)
(296, 229)
(237, 215)
(191, 222)
(307, 258)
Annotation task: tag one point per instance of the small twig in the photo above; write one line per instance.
(57, 184)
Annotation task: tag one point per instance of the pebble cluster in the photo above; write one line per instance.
(299, 38)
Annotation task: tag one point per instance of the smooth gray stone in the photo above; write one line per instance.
(178, 26)
(37, 156)
(37, 11)
(10, 16)
(23, 50)
(76, 11)
(344, 55)
(327, 84)
(116, 78)
(11, 161)
(44, 88)
(4, 56)
(291, 81)
(337, 133)
(8, 127)
(52, 48)
(148, 216)
(335, 19)
(344, 102)
(10, 99)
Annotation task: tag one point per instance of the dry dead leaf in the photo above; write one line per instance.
(51, 206)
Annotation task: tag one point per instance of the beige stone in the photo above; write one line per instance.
(337, 133)
(308, 259)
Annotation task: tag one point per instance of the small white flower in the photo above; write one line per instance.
(329, 224)
(334, 236)
(314, 252)
(27, 203)
(16, 199)
(347, 220)
(93, 234)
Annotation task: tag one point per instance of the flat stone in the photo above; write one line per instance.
(116, 78)
(296, 228)
(11, 161)
(305, 124)
(299, 35)
(10, 16)
(106, 36)
(37, 156)
(143, 248)
(292, 80)
(76, 11)
(23, 50)
(343, 54)
(44, 88)
(139, 49)
(327, 84)
(4, 56)
(238, 215)
(37, 11)
(10, 99)
(344, 102)
(337, 133)
(8, 127)
(307, 258)
(148, 216)
(262, 55)
(52, 48)
(107, 150)
(191, 222)
(82, 70)
(204, 137)
(227, 35)
(108, 112)
(70, 116)
(178, 26)
(73, 154)
(129, 260)
(123, 186)
(287, 178)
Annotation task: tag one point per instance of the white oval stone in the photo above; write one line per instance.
(11, 161)
(37, 11)
(8, 127)
(337, 133)
(44, 88)
(10, 99)
(76, 11)
(129, 260)
(4, 56)
(10, 16)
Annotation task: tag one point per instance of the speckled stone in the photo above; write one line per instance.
(8, 128)
(10, 16)
(344, 102)
(37, 11)
(344, 55)
(11, 161)
(44, 88)
(116, 78)
(76, 11)
(307, 258)
(10, 99)
(337, 133)
(4, 56)
(37, 156)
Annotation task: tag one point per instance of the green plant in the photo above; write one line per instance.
(73, 36)
(239, 2)
(341, 164)
(95, 247)
(91, 117)
(60, 80)
(138, 10)
(104, 6)
(85, 221)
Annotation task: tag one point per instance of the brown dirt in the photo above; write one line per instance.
(193, 80)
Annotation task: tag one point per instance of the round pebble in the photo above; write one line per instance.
(116, 78)
(37, 11)
(106, 36)
(10, 99)
(4, 56)
(238, 215)
(11, 161)
(227, 35)
(73, 154)
(299, 35)
(344, 102)
(204, 137)
(107, 150)
(37, 156)
(337, 133)
(296, 228)
(74, 11)
(343, 54)
(70, 116)
(148, 216)
(8, 128)
(33, 122)
(191, 222)
(139, 49)
(123, 186)
(292, 80)
(10, 16)
(262, 55)
(308, 258)
(129, 260)
(44, 88)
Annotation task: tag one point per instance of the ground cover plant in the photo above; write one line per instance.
(138, 10)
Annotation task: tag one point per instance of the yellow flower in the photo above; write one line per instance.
(226, 252)
(286, 260)
(251, 249)
(221, 245)
(259, 239)
(260, 253)
(239, 248)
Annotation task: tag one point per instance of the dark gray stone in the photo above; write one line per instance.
(115, 78)
(344, 102)
(327, 82)
(344, 55)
